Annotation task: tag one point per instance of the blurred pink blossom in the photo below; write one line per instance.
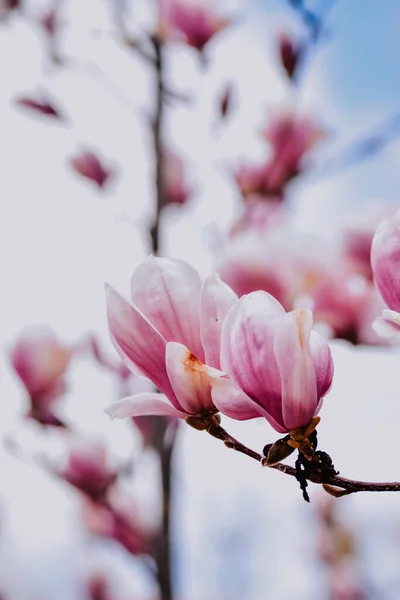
(171, 334)
(193, 22)
(87, 468)
(358, 235)
(89, 166)
(7, 6)
(40, 359)
(291, 136)
(278, 367)
(42, 106)
(175, 187)
(385, 260)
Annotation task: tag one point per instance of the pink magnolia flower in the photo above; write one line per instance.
(87, 468)
(291, 136)
(278, 367)
(40, 359)
(193, 22)
(175, 188)
(358, 235)
(42, 106)
(89, 166)
(170, 333)
(385, 260)
(250, 179)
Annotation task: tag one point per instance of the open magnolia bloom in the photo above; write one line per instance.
(278, 368)
(171, 334)
(385, 262)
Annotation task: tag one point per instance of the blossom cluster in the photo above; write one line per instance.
(208, 351)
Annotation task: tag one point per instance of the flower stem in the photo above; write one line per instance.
(349, 486)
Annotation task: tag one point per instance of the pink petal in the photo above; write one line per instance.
(234, 403)
(216, 300)
(323, 363)
(293, 356)
(190, 379)
(388, 325)
(385, 257)
(167, 291)
(143, 404)
(136, 341)
(247, 353)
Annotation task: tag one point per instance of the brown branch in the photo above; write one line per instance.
(348, 486)
(163, 447)
(157, 141)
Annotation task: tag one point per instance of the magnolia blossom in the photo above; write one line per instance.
(171, 334)
(358, 234)
(42, 106)
(291, 136)
(278, 367)
(89, 166)
(385, 261)
(193, 22)
(40, 359)
(175, 188)
(87, 468)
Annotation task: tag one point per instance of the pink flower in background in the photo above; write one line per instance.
(175, 188)
(250, 179)
(41, 106)
(291, 136)
(171, 334)
(385, 261)
(87, 468)
(358, 235)
(289, 52)
(118, 517)
(7, 6)
(193, 22)
(278, 367)
(258, 216)
(89, 166)
(40, 359)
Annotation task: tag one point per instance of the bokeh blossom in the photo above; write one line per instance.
(171, 333)
(289, 137)
(193, 22)
(40, 359)
(175, 187)
(88, 165)
(385, 261)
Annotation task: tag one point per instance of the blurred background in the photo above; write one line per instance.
(274, 127)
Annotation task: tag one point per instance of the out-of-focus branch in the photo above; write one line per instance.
(157, 141)
(163, 446)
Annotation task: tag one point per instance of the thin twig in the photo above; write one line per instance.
(349, 485)
(164, 447)
(157, 141)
